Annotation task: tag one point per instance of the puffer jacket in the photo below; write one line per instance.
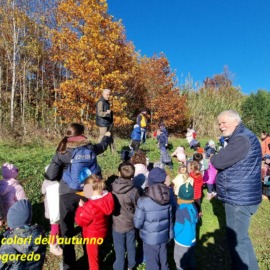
(153, 215)
(31, 246)
(136, 134)
(93, 216)
(125, 197)
(10, 191)
(61, 161)
(209, 176)
(197, 184)
(239, 183)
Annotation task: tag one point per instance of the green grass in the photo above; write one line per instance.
(211, 247)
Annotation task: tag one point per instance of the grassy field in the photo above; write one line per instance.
(211, 248)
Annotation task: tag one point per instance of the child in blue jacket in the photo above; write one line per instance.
(153, 217)
(135, 137)
(185, 228)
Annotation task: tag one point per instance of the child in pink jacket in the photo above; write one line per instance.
(10, 189)
(209, 178)
(180, 154)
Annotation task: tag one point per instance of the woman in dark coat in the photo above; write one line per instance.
(69, 198)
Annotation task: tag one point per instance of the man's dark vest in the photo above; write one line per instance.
(103, 121)
(240, 184)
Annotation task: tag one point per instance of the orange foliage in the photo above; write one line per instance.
(155, 89)
(94, 51)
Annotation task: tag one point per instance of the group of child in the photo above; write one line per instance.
(141, 199)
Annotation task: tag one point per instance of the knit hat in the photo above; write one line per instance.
(9, 171)
(156, 175)
(19, 214)
(200, 150)
(186, 192)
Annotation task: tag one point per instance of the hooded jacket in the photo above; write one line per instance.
(153, 215)
(10, 191)
(61, 161)
(93, 216)
(30, 246)
(125, 197)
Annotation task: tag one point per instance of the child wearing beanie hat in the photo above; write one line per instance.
(10, 189)
(28, 253)
(185, 227)
(153, 217)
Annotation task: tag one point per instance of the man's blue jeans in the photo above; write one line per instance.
(143, 135)
(123, 242)
(241, 249)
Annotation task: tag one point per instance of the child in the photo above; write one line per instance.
(165, 158)
(180, 154)
(209, 178)
(124, 234)
(203, 163)
(10, 189)
(198, 183)
(162, 137)
(30, 254)
(153, 216)
(51, 203)
(93, 216)
(181, 178)
(141, 173)
(185, 228)
(210, 148)
(136, 138)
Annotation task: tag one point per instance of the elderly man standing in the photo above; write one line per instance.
(104, 117)
(239, 186)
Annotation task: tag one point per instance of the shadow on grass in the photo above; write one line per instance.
(212, 249)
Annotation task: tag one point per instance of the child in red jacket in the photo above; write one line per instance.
(198, 183)
(93, 217)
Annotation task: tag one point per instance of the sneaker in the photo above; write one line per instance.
(56, 249)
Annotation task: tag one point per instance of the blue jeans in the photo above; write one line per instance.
(241, 249)
(123, 242)
(143, 135)
(156, 256)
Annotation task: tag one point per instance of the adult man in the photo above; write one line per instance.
(239, 186)
(142, 122)
(104, 117)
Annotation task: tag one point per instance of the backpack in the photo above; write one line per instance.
(83, 163)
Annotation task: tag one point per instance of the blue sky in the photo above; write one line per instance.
(200, 37)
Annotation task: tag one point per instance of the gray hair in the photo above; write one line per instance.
(231, 114)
